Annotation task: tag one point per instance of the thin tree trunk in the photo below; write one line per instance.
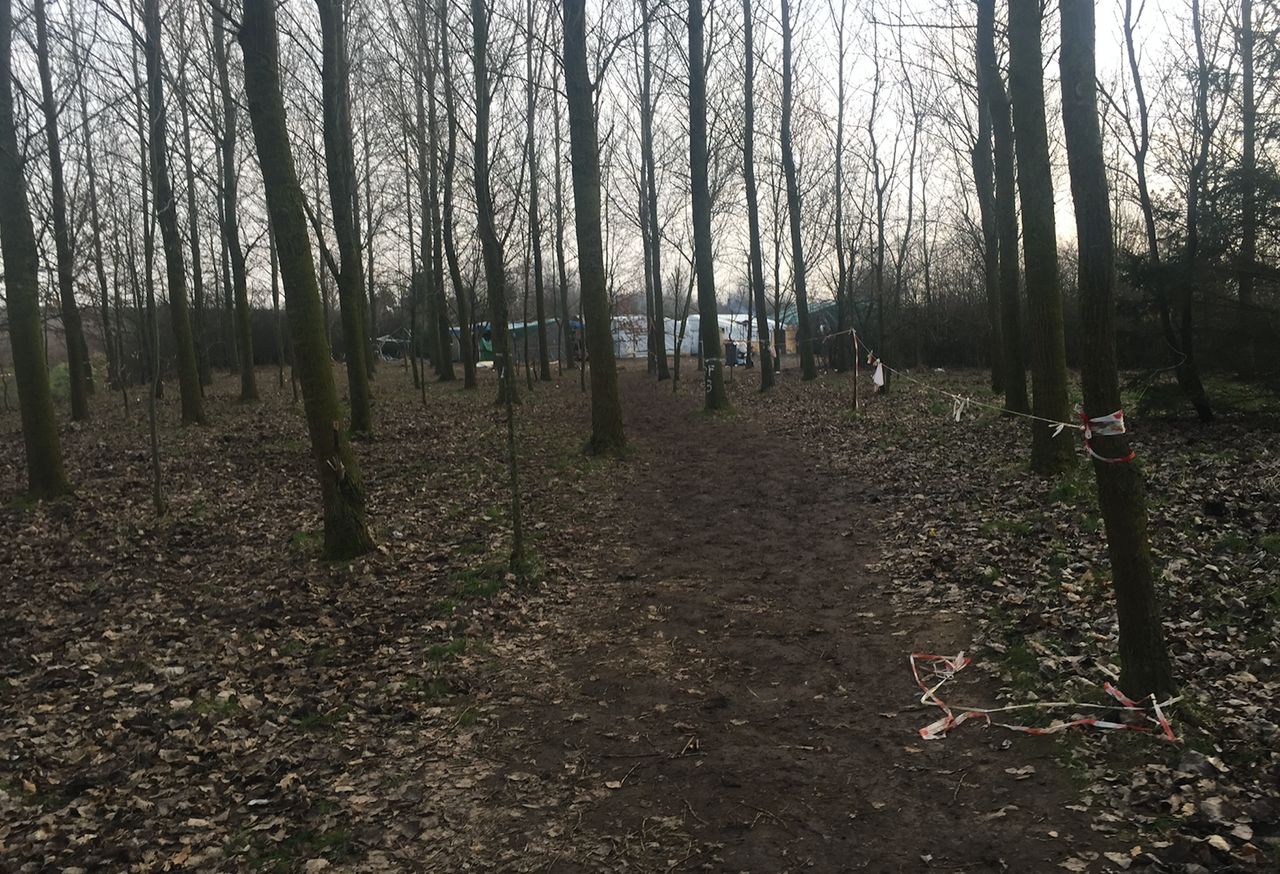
(275, 303)
(755, 256)
(433, 203)
(651, 189)
(704, 262)
(567, 358)
(339, 165)
(78, 366)
(606, 408)
(45, 476)
(984, 182)
(1144, 660)
(1189, 370)
(1248, 192)
(535, 226)
(466, 321)
(114, 374)
(345, 533)
(193, 228)
(231, 221)
(1006, 210)
(167, 216)
(495, 267)
(1050, 454)
(804, 335)
(490, 243)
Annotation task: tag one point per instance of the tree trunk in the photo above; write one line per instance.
(466, 321)
(490, 244)
(445, 372)
(651, 190)
(1248, 193)
(1188, 370)
(115, 375)
(45, 477)
(804, 336)
(1006, 210)
(704, 256)
(567, 358)
(755, 255)
(167, 217)
(345, 533)
(193, 229)
(275, 303)
(1144, 661)
(535, 226)
(606, 408)
(1160, 279)
(984, 183)
(340, 167)
(1050, 454)
(78, 366)
(231, 221)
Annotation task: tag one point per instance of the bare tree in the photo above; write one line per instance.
(606, 408)
(342, 491)
(1144, 660)
(1051, 451)
(78, 366)
(167, 218)
(45, 477)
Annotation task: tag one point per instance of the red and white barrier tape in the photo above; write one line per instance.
(944, 669)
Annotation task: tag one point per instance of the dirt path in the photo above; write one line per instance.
(738, 692)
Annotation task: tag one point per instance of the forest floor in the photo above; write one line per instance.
(708, 669)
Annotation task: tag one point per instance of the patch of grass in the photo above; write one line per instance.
(1270, 543)
(322, 720)
(480, 582)
(306, 542)
(430, 690)
(1232, 542)
(993, 527)
(20, 503)
(440, 652)
(442, 608)
(333, 844)
(1023, 666)
(291, 647)
(219, 708)
(322, 657)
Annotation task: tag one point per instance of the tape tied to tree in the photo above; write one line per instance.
(1110, 425)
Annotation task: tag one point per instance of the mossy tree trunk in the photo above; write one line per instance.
(1050, 454)
(45, 477)
(167, 217)
(342, 491)
(606, 408)
(1144, 660)
(339, 163)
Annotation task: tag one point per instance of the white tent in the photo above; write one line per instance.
(631, 334)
